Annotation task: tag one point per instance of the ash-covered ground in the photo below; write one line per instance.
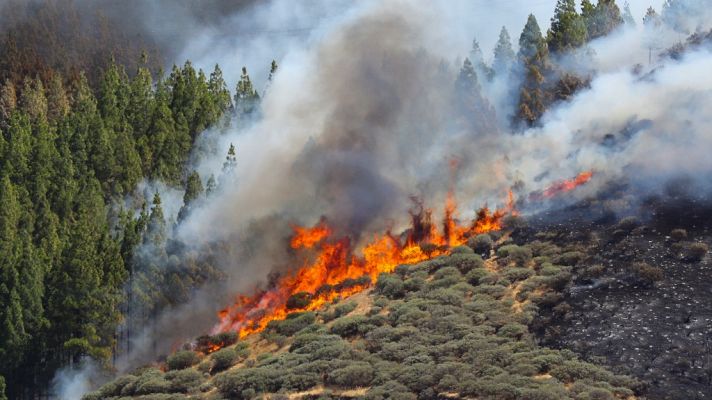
(641, 298)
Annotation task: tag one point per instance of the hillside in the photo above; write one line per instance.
(457, 326)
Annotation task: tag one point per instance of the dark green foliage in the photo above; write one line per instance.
(568, 28)
(223, 359)
(351, 326)
(294, 323)
(299, 300)
(357, 374)
(503, 54)
(602, 18)
(390, 285)
(184, 380)
(182, 359)
(481, 244)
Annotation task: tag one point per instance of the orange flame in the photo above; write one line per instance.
(335, 271)
(567, 185)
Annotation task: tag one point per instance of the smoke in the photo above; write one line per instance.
(71, 382)
(365, 112)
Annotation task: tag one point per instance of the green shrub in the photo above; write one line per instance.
(351, 326)
(518, 274)
(151, 381)
(356, 374)
(503, 251)
(413, 284)
(596, 394)
(390, 285)
(475, 276)
(182, 359)
(390, 390)
(513, 330)
(521, 256)
(184, 380)
(299, 300)
(294, 323)
(223, 359)
(461, 250)
(496, 291)
(569, 258)
(465, 262)
(447, 272)
(481, 244)
(245, 383)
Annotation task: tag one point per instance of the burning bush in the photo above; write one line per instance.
(182, 359)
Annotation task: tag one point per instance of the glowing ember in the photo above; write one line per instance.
(334, 270)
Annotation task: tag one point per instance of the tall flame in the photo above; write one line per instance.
(335, 270)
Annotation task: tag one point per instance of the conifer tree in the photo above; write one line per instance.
(33, 100)
(533, 54)
(601, 19)
(476, 111)
(628, 16)
(57, 99)
(484, 72)
(219, 91)
(156, 229)
(193, 190)
(8, 103)
(568, 29)
(211, 185)
(230, 159)
(503, 54)
(246, 97)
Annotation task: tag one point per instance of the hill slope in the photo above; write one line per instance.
(453, 327)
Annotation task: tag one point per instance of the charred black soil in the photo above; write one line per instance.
(641, 299)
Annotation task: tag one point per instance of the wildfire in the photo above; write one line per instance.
(334, 269)
(560, 187)
(567, 185)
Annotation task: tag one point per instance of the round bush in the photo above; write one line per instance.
(182, 359)
(696, 251)
(481, 244)
(357, 374)
(223, 359)
(390, 285)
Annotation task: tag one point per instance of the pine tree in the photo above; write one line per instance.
(533, 54)
(484, 72)
(628, 16)
(156, 229)
(13, 335)
(57, 99)
(246, 97)
(33, 100)
(568, 29)
(503, 54)
(8, 103)
(601, 19)
(211, 185)
(219, 91)
(193, 190)
(476, 111)
(651, 18)
(272, 70)
(230, 159)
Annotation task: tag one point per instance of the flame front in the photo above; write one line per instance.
(568, 184)
(335, 270)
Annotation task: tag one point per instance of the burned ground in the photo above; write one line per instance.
(641, 300)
